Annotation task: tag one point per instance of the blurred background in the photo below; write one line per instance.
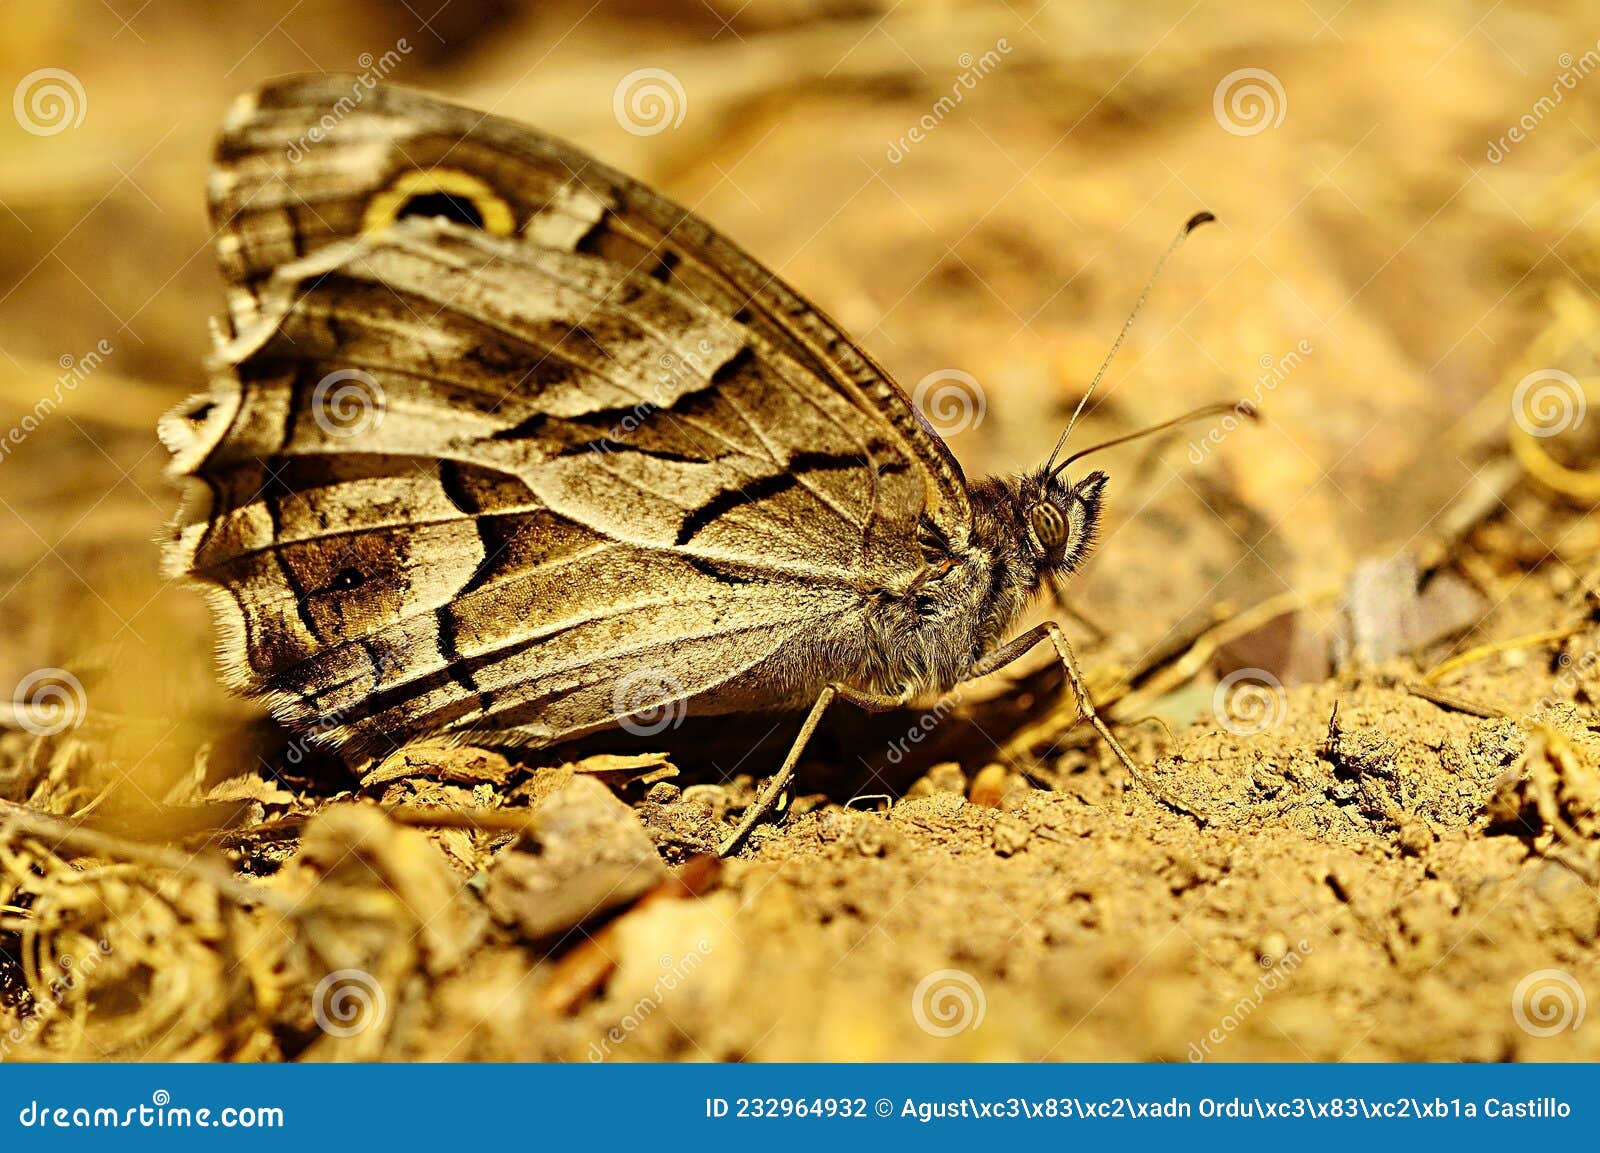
(975, 190)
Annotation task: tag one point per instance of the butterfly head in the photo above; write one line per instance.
(1062, 518)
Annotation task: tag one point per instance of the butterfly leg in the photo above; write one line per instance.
(768, 799)
(1016, 649)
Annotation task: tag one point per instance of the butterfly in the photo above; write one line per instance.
(502, 445)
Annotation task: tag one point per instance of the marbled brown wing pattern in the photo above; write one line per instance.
(600, 462)
(306, 162)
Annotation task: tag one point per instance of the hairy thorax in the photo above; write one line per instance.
(924, 641)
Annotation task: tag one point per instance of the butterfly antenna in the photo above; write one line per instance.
(1237, 407)
(1189, 226)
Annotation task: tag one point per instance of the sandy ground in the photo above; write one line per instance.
(1361, 640)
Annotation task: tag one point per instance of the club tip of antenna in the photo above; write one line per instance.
(1246, 409)
(1197, 220)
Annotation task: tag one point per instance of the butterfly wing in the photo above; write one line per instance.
(306, 162)
(521, 485)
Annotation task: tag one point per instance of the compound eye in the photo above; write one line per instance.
(1049, 526)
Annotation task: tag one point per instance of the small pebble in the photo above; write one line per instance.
(989, 787)
(1415, 837)
(663, 793)
(942, 778)
(1274, 947)
(713, 796)
(875, 837)
(1011, 836)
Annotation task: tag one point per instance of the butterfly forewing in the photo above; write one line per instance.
(302, 162)
(602, 443)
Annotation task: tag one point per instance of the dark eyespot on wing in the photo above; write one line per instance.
(458, 209)
(347, 579)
